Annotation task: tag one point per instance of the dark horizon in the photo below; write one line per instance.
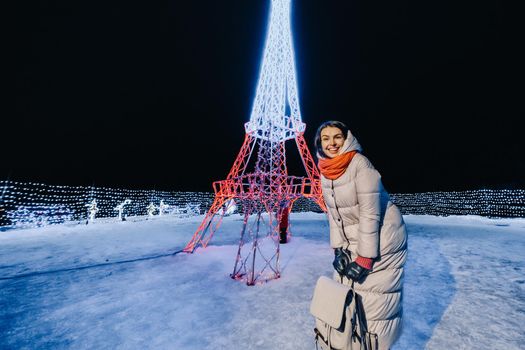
(144, 96)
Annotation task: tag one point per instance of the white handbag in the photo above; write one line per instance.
(339, 325)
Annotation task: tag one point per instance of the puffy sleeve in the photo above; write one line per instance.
(368, 187)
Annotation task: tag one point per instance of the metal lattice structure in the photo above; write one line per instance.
(275, 118)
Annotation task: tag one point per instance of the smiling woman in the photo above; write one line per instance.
(367, 231)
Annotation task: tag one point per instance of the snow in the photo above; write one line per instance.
(120, 286)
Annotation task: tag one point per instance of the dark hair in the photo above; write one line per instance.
(332, 123)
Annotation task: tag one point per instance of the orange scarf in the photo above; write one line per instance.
(332, 168)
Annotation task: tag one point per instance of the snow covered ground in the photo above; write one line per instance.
(119, 286)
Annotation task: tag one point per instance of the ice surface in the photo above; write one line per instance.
(118, 286)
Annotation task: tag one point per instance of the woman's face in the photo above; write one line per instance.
(332, 140)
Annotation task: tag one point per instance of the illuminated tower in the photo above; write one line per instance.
(261, 191)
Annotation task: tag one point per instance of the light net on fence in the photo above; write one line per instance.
(484, 202)
(26, 204)
(33, 204)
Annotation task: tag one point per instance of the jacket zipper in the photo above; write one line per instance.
(339, 214)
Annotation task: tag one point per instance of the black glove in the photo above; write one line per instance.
(355, 272)
(341, 260)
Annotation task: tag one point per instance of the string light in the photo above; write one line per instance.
(151, 209)
(92, 210)
(229, 207)
(162, 207)
(120, 209)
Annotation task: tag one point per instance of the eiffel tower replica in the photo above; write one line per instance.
(264, 189)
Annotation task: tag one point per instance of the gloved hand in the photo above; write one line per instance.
(341, 260)
(355, 272)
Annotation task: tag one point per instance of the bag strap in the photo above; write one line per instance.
(364, 337)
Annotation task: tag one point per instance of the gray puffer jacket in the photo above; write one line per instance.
(364, 221)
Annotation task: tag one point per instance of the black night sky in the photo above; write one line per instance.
(155, 94)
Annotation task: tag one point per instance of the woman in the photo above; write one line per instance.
(367, 230)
